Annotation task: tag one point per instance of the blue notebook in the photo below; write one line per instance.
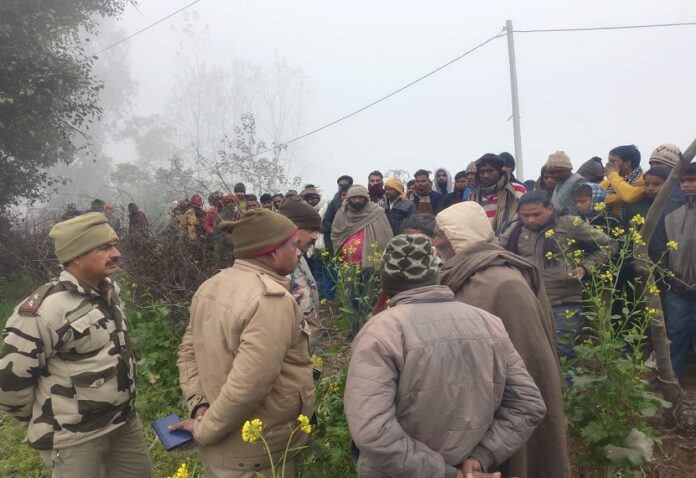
(171, 439)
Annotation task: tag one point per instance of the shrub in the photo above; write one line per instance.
(328, 452)
(608, 401)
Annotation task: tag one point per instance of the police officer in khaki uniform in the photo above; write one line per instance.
(67, 367)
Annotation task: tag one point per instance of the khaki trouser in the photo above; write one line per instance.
(121, 453)
(213, 472)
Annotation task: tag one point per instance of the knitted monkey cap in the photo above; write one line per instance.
(408, 262)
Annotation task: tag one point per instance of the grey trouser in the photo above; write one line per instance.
(121, 453)
(213, 472)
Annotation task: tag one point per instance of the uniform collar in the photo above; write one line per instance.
(74, 284)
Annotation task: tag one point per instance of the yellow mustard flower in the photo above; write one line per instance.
(577, 253)
(606, 276)
(570, 242)
(251, 431)
(638, 220)
(549, 233)
(568, 314)
(304, 424)
(673, 245)
(576, 221)
(653, 290)
(181, 472)
(600, 206)
(650, 311)
(549, 256)
(317, 361)
(638, 239)
(334, 387)
(618, 231)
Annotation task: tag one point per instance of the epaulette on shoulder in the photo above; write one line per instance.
(30, 306)
(270, 286)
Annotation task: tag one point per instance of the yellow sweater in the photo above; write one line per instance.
(625, 193)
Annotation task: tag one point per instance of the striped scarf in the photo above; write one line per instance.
(506, 205)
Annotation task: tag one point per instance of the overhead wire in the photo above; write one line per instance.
(417, 80)
(480, 45)
(134, 34)
(616, 27)
(381, 99)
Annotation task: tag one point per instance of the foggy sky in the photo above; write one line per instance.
(583, 93)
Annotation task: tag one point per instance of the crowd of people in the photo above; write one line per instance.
(455, 375)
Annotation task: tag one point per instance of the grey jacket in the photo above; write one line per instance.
(432, 382)
(678, 224)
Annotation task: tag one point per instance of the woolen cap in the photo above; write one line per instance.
(492, 160)
(259, 232)
(667, 154)
(309, 192)
(300, 213)
(357, 191)
(408, 262)
(81, 234)
(592, 169)
(559, 160)
(396, 185)
(508, 159)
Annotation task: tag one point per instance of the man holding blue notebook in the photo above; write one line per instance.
(245, 353)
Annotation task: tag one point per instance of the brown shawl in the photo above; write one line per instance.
(487, 276)
(372, 219)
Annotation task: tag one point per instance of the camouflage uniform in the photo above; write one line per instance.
(67, 369)
(304, 290)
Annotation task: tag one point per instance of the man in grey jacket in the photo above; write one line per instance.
(435, 387)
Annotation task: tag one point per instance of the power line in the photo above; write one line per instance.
(125, 39)
(546, 30)
(383, 98)
(620, 27)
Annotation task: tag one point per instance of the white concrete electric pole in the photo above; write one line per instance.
(519, 170)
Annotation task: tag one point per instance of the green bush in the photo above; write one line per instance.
(607, 402)
(328, 451)
(158, 393)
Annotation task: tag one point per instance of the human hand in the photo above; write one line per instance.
(471, 465)
(579, 272)
(200, 411)
(185, 425)
(478, 474)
